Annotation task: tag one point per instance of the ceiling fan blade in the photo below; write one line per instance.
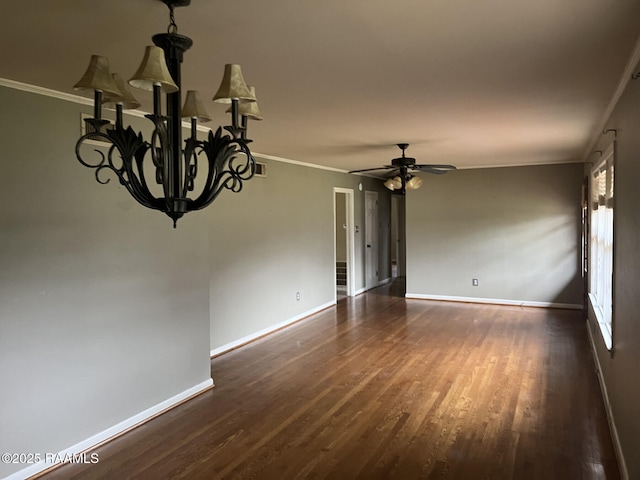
(393, 173)
(429, 169)
(439, 167)
(432, 168)
(386, 167)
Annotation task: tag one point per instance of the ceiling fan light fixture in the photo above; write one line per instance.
(390, 184)
(414, 183)
(394, 183)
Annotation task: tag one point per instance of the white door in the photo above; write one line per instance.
(371, 239)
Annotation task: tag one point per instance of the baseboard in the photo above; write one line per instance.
(494, 301)
(266, 331)
(112, 432)
(607, 405)
(365, 289)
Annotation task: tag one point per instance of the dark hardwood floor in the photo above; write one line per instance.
(381, 387)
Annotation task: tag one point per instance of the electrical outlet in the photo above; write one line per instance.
(474, 282)
(298, 296)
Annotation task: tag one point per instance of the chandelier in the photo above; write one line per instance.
(173, 165)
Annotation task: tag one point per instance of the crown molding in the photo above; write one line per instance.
(139, 113)
(622, 84)
(25, 87)
(297, 162)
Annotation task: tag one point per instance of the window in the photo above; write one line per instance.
(601, 240)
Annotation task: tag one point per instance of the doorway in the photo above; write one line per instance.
(344, 242)
(398, 236)
(371, 239)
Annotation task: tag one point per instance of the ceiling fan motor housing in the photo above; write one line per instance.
(403, 162)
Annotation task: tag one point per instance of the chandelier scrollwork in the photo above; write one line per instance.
(175, 167)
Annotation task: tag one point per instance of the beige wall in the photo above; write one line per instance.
(620, 368)
(276, 239)
(517, 230)
(104, 307)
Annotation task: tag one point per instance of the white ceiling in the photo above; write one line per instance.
(339, 82)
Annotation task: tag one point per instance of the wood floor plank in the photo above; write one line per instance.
(381, 387)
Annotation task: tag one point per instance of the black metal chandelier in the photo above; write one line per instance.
(175, 167)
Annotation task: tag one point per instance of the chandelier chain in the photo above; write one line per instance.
(173, 26)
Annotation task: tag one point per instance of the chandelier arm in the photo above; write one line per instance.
(139, 157)
(224, 172)
(127, 145)
(247, 170)
(193, 148)
(218, 151)
(211, 149)
(159, 150)
(228, 179)
(233, 178)
(80, 142)
(105, 162)
(99, 170)
(135, 181)
(132, 150)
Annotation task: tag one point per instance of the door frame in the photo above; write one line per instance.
(351, 239)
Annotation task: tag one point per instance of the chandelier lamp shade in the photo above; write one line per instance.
(164, 159)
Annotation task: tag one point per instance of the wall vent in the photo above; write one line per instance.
(261, 169)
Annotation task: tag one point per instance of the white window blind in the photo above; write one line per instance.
(601, 243)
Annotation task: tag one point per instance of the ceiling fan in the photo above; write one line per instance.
(399, 177)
